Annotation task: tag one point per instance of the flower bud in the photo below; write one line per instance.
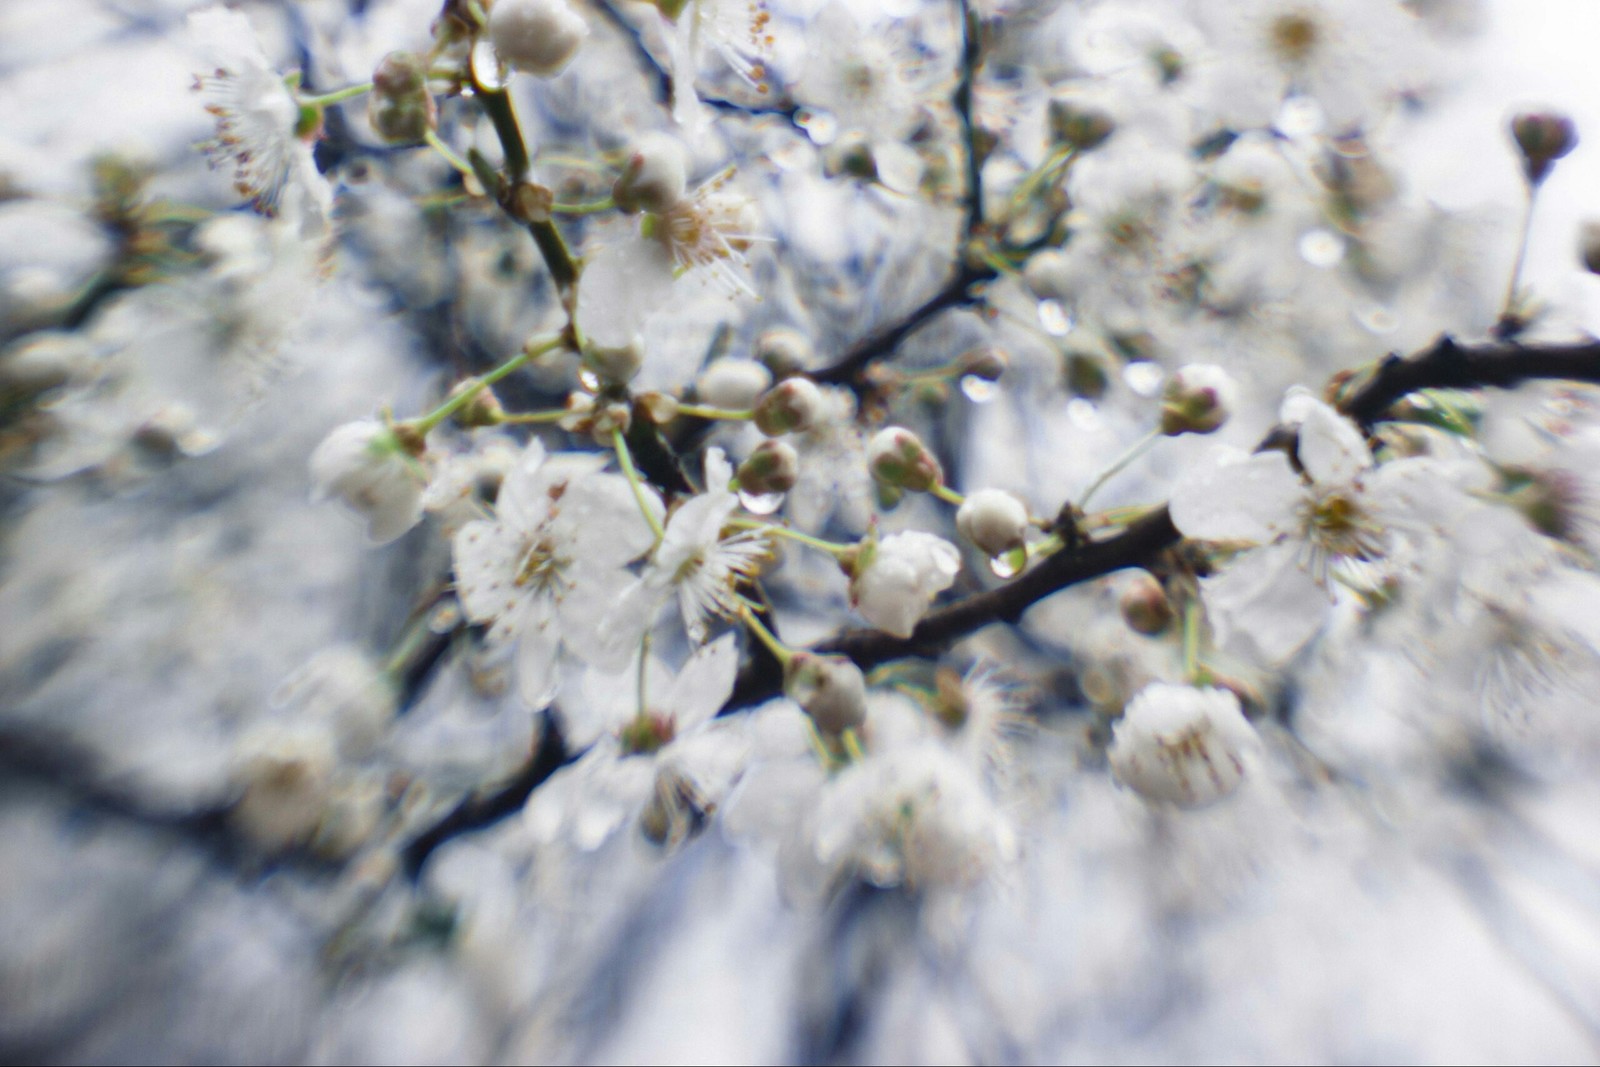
(993, 520)
(1180, 745)
(400, 108)
(657, 408)
(784, 351)
(1145, 607)
(734, 384)
(1542, 137)
(1085, 376)
(536, 36)
(987, 362)
(850, 155)
(373, 470)
(1078, 127)
(773, 467)
(897, 457)
(792, 406)
(1197, 399)
(830, 689)
(616, 364)
(1048, 275)
(655, 176)
(483, 407)
(1589, 246)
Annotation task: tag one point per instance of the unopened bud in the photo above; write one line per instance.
(532, 202)
(618, 364)
(1079, 127)
(1048, 275)
(734, 384)
(1197, 399)
(536, 36)
(773, 467)
(400, 108)
(792, 406)
(988, 362)
(1145, 607)
(1086, 376)
(897, 457)
(482, 408)
(654, 177)
(657, 408)
(1589, 246)
(1542, 137)
(784, 351)
(995, 521)
(830, 689)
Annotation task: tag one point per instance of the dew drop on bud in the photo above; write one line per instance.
(820, 126)
(487, 70)
(761, 503)
(589, 380)
(1321, 248)
(1009, 564)
(1054, 318)
(979, 390)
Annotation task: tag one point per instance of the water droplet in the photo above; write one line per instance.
(589, 379)
(761, 503)
(1321, 248)
(979, 390)
(445, 617)
(820, 126)
(1009, 564)
(486, 66)
(1083, 413)
(1054, 318)
(1144, 377)
(1300, 116)
(1378, 319)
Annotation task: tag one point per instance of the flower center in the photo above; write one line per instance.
(541, 567)
(647, 733)
(1339, 527)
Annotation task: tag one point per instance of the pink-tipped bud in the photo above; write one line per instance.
(792, 406)
(1197, 399)
(897, 457)
(1145, 607)
(773, 467)
(830, 689)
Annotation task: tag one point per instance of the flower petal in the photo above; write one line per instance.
(1331, 449)
(1266, 604)
(1243, 497)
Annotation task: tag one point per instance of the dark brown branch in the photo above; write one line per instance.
(851, 367)
(1444, 365)
(971, 45)
(1447, 365)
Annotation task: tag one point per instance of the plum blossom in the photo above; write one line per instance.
(897, 579)
(365, 465)
(1343, 518)
(546, 568)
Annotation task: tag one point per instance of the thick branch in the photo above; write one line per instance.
(1444, 365)
(971, 43)
(1447, 365)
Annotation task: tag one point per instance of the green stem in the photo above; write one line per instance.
(947, 494)
(1031, 183)
(594, 207)
(625, 460)
(450, 157)
(1191, 639)
(1140, 447)
(833, 548)
(1508, 310)
(459, 399)
(780, 651)
(532, 418)
(337, 96)
(852, 745)
(698, 411)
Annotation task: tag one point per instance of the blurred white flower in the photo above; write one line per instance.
(1181, 745)
(364, 464)
(261, 132)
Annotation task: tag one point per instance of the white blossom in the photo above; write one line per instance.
(364, 464)
(544, 571)
(536, 36)
(896, 582)
(995, 521)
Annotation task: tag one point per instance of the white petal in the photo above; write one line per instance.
(486, 567)
(1331, 449)
(1265, 605)
(537, 656)
(622, 286)
(705, 683)
(600, 518)
(1243, 497)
